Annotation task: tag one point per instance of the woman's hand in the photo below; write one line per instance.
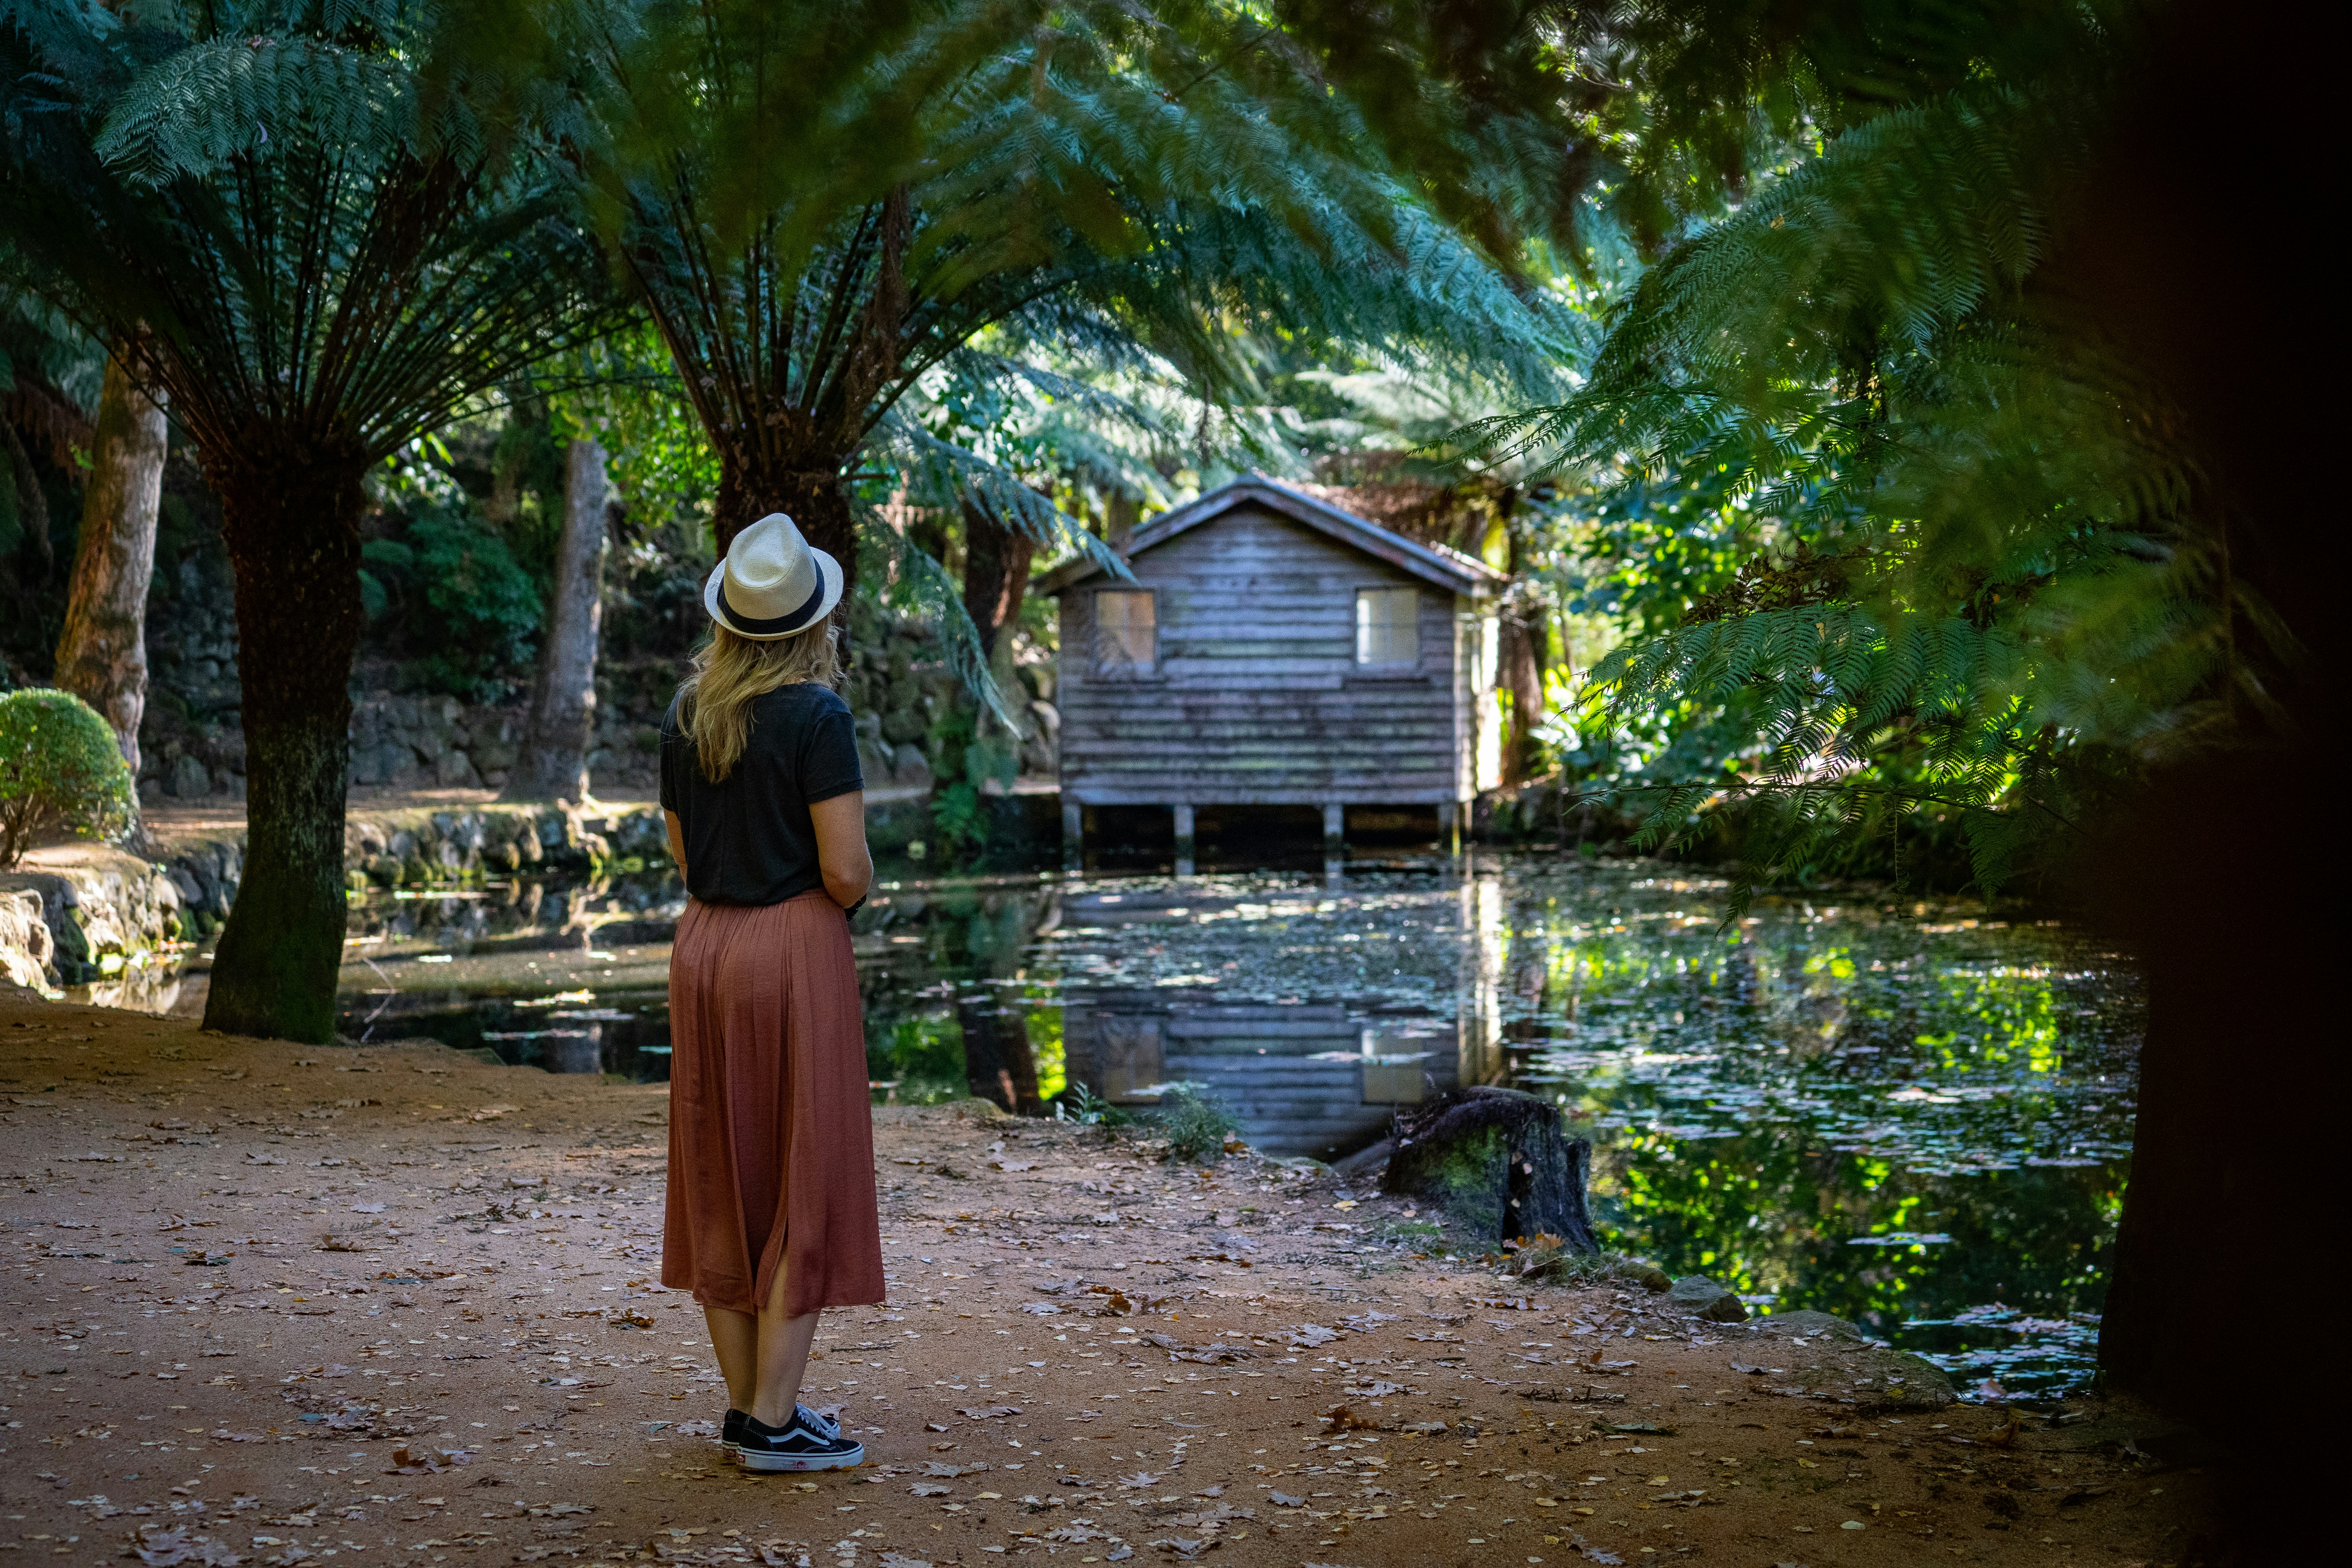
(840, 853)
(677, 841)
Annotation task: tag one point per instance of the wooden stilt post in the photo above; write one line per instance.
(1183, 812)
(1073, 832)
(1334, 837)
(1449, 827)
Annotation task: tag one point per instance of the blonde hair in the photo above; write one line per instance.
(714, 703)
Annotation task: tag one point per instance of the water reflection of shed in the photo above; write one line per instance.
(1274, 650)
(1318, 1073)
(1301, 1077)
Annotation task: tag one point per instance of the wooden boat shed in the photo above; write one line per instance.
(1276, 650)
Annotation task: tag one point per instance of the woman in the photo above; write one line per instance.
(772, 1208)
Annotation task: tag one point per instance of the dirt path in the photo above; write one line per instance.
(273, 1305)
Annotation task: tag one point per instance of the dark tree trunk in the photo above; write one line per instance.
(995, 573)
(1499, 1161)
(812, 493)
(553, 763)
(2233, 1159)
(2223, 973)
(998, 1061)
(32, 506)
(289, 516)
(1121, 512)
(1522, 675)
(102, 657)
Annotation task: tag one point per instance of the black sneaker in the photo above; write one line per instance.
(796, 1446)
(730, 1433)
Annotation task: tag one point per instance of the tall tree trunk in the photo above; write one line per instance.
(995, 573)
(527, 417)
(1522, 675)
(2234, 1151)
(102, 657)
(289, 516)
(1121, 512)
(1525, 642)
(554, 761)
(32, 506)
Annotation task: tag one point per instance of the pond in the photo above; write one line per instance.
(1902, 1115)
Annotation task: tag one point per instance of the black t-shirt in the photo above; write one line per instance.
(749, 839)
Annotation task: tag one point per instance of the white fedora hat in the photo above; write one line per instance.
(773, 584)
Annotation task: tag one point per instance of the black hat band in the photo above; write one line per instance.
(774, 625)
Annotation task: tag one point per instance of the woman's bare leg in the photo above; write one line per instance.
(764, 1358)
(783, 1352)
(736, 1337)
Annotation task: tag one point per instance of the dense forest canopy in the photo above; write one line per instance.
(1843, 539)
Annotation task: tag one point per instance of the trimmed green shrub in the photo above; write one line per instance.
(59, 769)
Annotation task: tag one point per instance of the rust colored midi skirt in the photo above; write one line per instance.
(771, 1126)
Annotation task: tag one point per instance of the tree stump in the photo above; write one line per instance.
(1498, 1161)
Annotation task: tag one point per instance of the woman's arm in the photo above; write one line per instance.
(677, 841)
(840, 853)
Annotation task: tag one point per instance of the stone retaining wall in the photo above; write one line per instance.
(192, 747)
(77, 912)
(86, 910)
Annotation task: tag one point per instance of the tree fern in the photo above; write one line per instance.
(207, 104)
(316, 267)
(1989, 592)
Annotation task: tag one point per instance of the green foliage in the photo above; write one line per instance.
(1084, 1106)
(484, 608)
(1048, 1050)
(923, 1056)
(968, 764)
(60, 771)
(959, 820)
(293, 213)
(1194, 1121)
(1972, 580)
(206, 105)
(1549, 1258)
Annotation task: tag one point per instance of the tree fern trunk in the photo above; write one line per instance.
(1523, 682)
(807, 489)
(32, 507)
(554, 761)
(995, 575)
(289, 515)
(102, 655)
(999, 1062)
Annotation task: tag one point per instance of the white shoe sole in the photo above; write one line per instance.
(735, 1449)
(781, 1463)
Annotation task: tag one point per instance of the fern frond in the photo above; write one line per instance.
(211, 102)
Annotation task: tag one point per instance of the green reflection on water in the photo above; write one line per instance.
(1922, 1127)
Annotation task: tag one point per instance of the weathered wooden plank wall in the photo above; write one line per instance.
(1257, 697)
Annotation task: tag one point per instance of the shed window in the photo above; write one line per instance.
(1126, 629)
(1387, 625)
